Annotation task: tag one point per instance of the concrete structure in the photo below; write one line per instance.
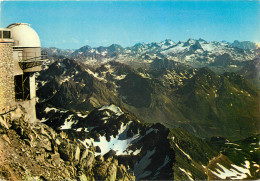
(20, 58)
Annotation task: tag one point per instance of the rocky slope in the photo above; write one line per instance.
(34, 151)
(111, 144)
(166, 92)
(252, 71)
(152, 151)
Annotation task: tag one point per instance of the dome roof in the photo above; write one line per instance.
(24, 36)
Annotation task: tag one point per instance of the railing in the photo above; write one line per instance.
(32, 56)
(31, 59)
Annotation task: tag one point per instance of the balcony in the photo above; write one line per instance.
(29, 60)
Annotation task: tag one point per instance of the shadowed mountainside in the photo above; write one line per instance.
(204, 103)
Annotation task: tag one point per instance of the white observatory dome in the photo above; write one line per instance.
(24, 36)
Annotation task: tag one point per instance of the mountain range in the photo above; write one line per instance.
(168, 92)
(156, 111)
(194, 52)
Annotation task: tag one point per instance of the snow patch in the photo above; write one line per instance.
(119, 143)
(48, 109)
(151, 130)
(113, 108)
(236, 172)
(145, 75)
(139, 168)
(232, 144)
(120, 77)
(68, 123)
(96, 75)
(81, 115)
(43, 120)
(188, 156)
(189, 175)
(43, 83)
(166, 160)
(67, 78)
(79, 129)
(179, 48)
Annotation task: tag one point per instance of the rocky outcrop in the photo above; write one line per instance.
(34, 151)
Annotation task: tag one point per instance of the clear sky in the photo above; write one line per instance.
(73, 24)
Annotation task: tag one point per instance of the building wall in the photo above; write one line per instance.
(6, 77)
(29, 108)
(17, 68)
(32, 87)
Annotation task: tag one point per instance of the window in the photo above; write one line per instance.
(1, 34)
(7, 34)
(22, 87)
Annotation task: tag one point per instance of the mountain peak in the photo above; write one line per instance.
(202, 40)
(115, 45)
(245, 44)
(189, 42)
(168, 42)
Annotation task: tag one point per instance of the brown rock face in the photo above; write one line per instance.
(36, 152)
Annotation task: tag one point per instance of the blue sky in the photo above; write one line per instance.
(73, 24)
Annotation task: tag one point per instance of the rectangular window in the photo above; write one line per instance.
(7, 34)
(22, 87)
(1, 33)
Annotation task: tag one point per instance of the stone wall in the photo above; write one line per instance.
(7, 96)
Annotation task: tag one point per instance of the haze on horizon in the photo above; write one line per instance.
(73, 24)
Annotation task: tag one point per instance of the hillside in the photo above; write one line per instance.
(152, 151)
(170, 93)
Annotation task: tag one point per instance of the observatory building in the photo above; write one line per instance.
(20, 58)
